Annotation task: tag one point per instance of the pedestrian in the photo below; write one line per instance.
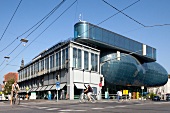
(130, 95)
(118, 96)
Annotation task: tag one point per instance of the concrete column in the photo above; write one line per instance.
(70, 75)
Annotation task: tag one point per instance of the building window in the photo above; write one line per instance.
(94, 62)
(77, 58)
(57, 63)
(51, 61)
(47, 63)
(86, 60)
(63, 58)
(42, 64)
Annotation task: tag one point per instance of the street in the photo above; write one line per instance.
(98, 107)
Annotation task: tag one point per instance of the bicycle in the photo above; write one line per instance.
(15, 98)
(84, 98)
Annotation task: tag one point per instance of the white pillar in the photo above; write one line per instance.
(70, 75)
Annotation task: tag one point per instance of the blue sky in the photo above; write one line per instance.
(147, 12)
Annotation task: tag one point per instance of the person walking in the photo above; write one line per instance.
(118, 95)
(130, 95)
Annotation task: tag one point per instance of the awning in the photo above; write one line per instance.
(33, 89)
(79, 86)
(53, 87)
(43, 88)
(49, 87)
(92, 85)
(61, 86)
(38, 89)
(29, 89)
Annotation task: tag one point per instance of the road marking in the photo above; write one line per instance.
(120, 106)
(66, 110)
(41, 107)
(110, 107)
(97, 108)
(80, 110)
(52, 109)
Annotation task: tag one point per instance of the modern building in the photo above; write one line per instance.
(94, 53)
(162, 90)
(72, 64)
(123, 61)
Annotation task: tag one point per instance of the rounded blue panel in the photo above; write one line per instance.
(129, 71)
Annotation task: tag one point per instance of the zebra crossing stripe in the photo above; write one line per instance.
(97, 108)
(52, 109)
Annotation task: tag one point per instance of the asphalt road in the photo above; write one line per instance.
(98, 107)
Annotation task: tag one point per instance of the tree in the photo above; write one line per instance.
(8, 86)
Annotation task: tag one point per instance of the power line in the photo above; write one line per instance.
(40, 34)
(10, 20)
(110, 17)
(42, 21)
(157, 25)
(38, 25)
(124, 13)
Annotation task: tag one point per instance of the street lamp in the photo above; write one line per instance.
(6, 57)
(24, 40)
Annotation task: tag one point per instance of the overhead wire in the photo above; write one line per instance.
(44, 18)
(111, 16)
(42, 21)
(37, 26)
(39, 35)
(10, 20)
(157, 25)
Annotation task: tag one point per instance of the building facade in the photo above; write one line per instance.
(94, 53)
(123, 61)
(72, 64)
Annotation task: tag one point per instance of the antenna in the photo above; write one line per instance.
(80, 17)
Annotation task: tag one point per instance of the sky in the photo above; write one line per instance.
(29, 12)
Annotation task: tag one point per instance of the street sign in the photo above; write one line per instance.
(57, 85)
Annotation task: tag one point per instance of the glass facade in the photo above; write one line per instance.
(77, 58)
(57, 60)
(84, 30)
(129, 71)
(86, 60)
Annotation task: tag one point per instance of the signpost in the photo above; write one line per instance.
(57, 88)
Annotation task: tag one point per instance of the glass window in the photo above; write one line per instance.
(92, 61)
(79, 58)
(81, 30)
(31, 70)
(51, 61)
(59, 58)
(57, 62)
(42, 64)
(96, 63)
(63, 57)
(75, 57)
(47, 63)
(86, 60)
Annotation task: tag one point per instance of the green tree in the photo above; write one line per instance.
(8, 86)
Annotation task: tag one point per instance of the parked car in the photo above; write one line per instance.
(167, 97)
(156, 98)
